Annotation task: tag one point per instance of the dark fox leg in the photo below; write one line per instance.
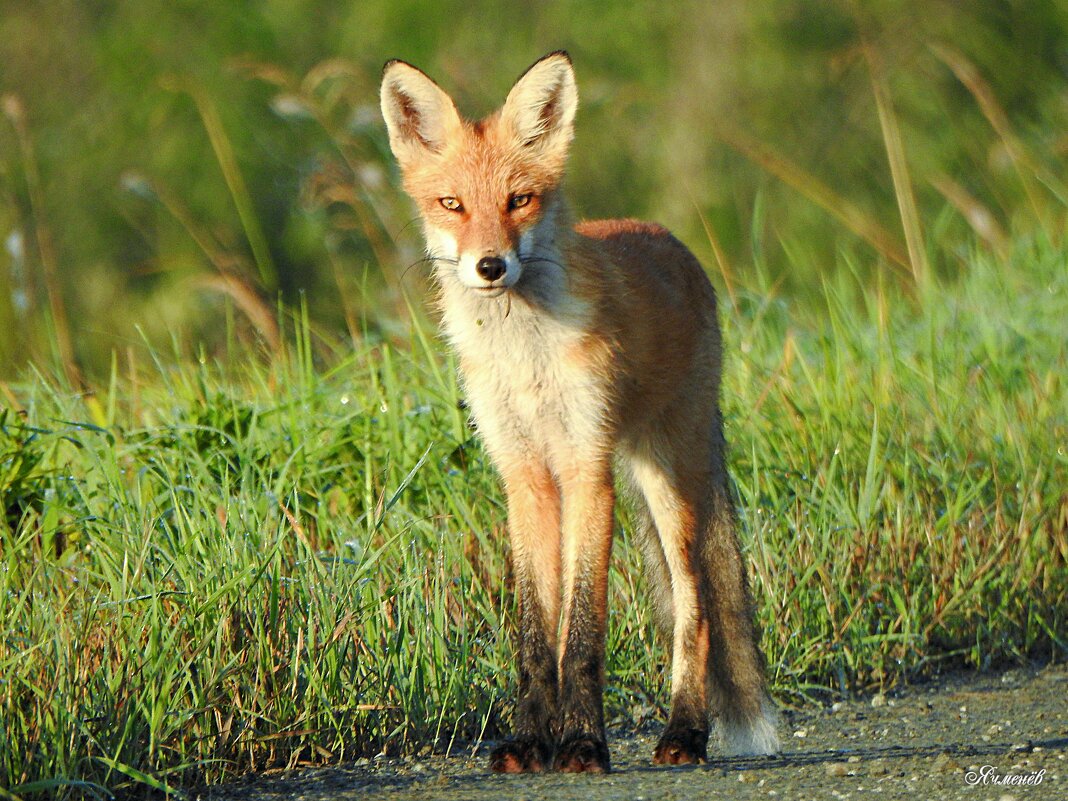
(588, 499)
(534, 529)
(736, 680)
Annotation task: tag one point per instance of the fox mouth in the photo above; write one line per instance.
(494, 291)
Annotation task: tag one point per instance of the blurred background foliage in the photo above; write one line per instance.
(188, 171)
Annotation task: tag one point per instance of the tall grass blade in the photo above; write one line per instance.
(899, 170)
(235, 181)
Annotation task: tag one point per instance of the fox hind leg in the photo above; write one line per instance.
(716, 662)
(670, 563)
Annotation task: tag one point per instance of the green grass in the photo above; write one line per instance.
(211, 568)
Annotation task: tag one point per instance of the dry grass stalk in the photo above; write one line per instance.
(899, 171)
(843, 210)
(14, 110)
(979, 217)
(1026, 168)
(249, 302)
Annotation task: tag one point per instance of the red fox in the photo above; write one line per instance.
(581, 347)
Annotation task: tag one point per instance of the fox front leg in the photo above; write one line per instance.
(534, 531)
(588, 499)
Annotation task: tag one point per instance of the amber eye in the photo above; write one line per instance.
(451, 203)
(518, 201)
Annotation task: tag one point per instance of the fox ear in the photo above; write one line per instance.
(540, 109)
(419, 115)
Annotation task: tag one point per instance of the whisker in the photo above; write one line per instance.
(428, 259)
(542, 259)
(534, 257)
(405, 226)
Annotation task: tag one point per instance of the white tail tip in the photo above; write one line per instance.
(752, 737)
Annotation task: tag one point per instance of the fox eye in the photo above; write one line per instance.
(519, 201)
(451, 203)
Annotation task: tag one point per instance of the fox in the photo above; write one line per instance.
(587, 352)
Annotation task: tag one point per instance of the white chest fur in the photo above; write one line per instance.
(530, 391)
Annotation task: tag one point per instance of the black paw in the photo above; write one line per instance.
(582, 753)
(682, 747)
(521, 755)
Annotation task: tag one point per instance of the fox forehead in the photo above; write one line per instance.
(480, 163)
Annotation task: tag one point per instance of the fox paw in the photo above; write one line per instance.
(582, 753)
(682, 747)
(521, 755)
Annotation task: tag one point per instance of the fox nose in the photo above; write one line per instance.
(490, 267)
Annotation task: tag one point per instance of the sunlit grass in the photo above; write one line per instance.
(215, 568)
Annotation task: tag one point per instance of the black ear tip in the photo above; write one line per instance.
(395, 61)
(555, 54)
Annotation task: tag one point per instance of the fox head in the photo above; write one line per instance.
(487, 191)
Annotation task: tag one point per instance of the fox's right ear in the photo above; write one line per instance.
(419, 116)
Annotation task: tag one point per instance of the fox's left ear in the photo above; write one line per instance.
(540, 109)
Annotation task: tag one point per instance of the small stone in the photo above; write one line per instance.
(746, 777)
(837, 706)
(1006, 797)
(878, 700)
(417, 767)
(836, 769)
(853, 759)
(1020, 747)
(801, 733)
(944, 763)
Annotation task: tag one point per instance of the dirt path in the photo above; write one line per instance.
(956, 738)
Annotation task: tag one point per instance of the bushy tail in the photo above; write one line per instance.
(747, 718)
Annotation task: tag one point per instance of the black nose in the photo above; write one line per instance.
(490, 268)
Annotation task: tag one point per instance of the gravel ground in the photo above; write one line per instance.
(966, 736)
